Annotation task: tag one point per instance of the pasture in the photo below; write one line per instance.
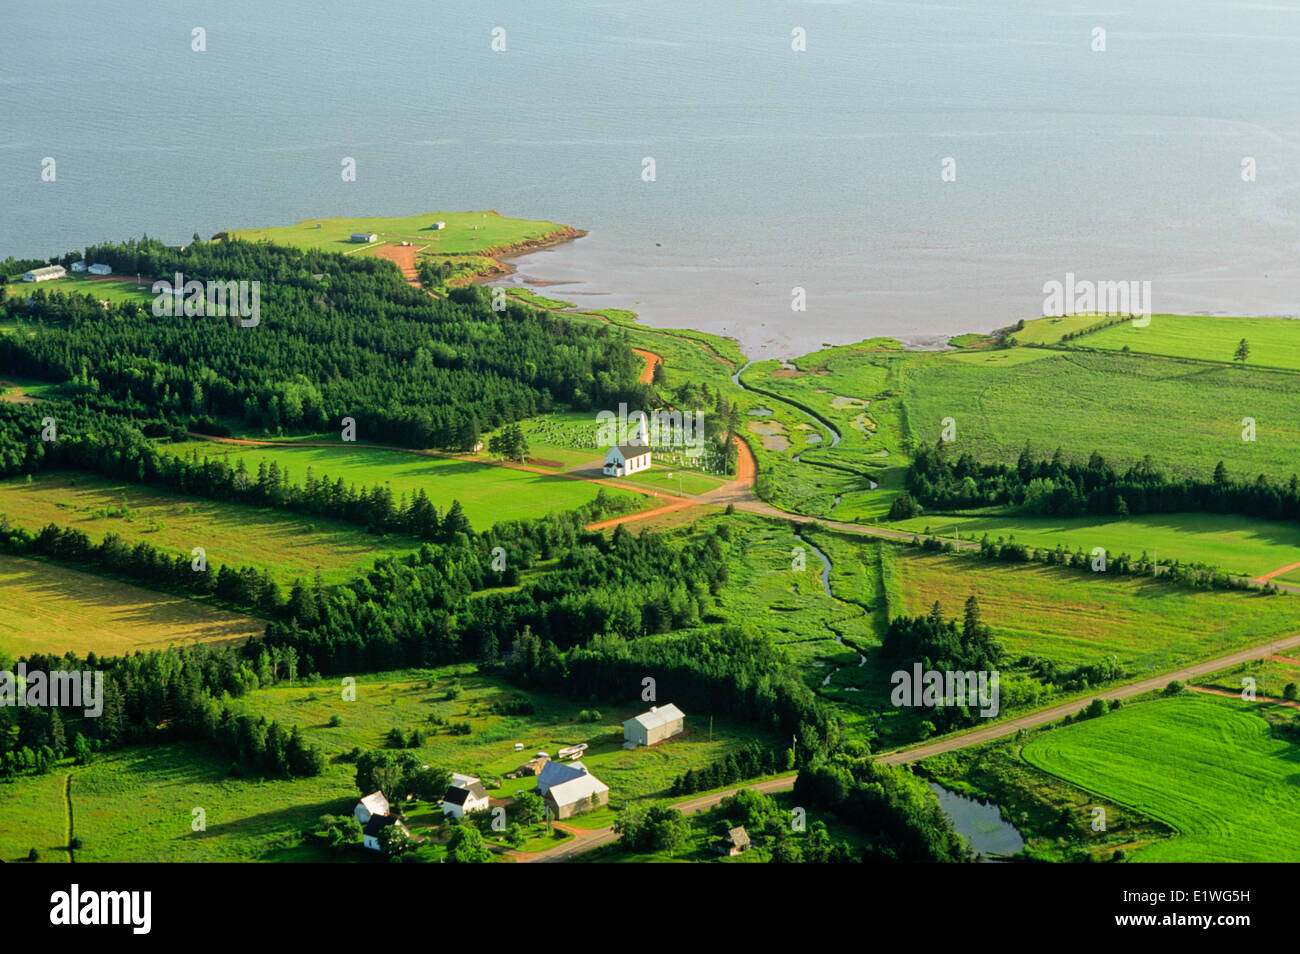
(1073, 617)
(289, 546)
(113, 289)
(408, 699)
(48, 608)
(1244, 546)
(136, 804)
(1207, 766)
(487, 492)
(1186, 416)
(466, 233)
(1274, 342)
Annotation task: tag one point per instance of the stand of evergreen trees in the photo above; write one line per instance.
(338, 336)
(161, 696)
(1057, 487)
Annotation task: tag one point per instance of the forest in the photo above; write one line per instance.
(338, 336)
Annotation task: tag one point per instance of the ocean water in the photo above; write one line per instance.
(775, 169)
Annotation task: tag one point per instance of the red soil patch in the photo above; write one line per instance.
(746, 466)
(404, 256)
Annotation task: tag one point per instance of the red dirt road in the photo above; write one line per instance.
(651, 359)
(404, 256)
(1278, 572)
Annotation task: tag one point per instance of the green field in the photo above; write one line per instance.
(1245, 546)
(1048, 331)
(111, 289)
(290, 546)
(471, 233)
(406, 700)
(1186, 416)
(48, 608)
(1072, 617)
(135, 804)
(1209, 767)
(488, 493)
(1274, 342)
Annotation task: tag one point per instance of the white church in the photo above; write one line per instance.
(625, 459)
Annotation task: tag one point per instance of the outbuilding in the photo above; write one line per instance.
(577, 795)
(100, 270)
(661, 722)
(734, 842)
(373, 804)
(45, 274)
(362, 237)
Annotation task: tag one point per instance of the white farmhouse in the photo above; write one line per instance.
(625, 459)
(373, 804)
(45, 274)
(463, 800)
(100, 270)
(377, 823)
(661, 722)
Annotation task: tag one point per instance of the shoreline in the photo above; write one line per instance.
(500, 255)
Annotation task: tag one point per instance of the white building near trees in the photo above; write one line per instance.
(661, 722)
(625, 459)
(373, 804)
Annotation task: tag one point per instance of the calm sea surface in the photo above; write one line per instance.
(774, 168)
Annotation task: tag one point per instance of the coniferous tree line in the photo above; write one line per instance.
(1058, 487)
(160, 696)
(750, 761)
(1191, 575)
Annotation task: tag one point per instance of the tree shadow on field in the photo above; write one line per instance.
(294, 815)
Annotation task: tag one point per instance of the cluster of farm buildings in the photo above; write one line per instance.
(50, 272)
(567, 787)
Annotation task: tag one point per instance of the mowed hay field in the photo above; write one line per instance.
(290, 546)
(466, 232)
(1274, 342)
(1244, 546)
(47, 608)
(488, 493)
(1207, 766)
(1073, 617)
(1187, 416)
